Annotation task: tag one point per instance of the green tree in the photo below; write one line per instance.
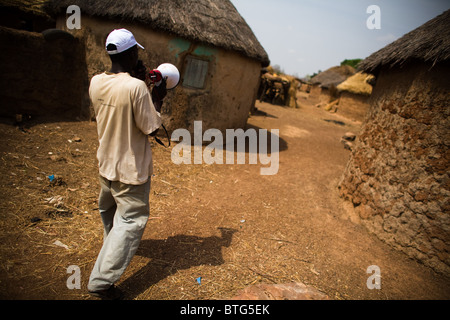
(351, 62)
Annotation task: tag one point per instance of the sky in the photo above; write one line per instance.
(305, 36)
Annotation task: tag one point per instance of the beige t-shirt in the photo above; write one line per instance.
(125, 116)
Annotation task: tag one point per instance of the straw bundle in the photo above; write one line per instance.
(357, 84)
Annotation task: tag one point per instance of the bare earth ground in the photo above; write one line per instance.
(227, 224)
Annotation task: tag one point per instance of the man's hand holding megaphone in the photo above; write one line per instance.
(159, 90)
(157, 80)
(165, 77)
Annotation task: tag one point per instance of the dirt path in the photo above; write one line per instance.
(213, 230)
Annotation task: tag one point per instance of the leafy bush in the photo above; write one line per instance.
(351, 62)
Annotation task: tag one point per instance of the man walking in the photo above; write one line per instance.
(125, 116)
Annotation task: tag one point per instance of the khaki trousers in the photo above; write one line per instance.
(124, 210)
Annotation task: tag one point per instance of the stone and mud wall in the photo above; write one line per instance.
(353, 106)
(397, 179)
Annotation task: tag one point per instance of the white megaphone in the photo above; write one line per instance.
(171, 74)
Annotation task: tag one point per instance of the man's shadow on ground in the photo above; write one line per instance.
(173, 254)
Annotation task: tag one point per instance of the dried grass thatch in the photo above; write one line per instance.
(214, 22)
(35, 7)
(357, 84)
(333, 76)
(429, 43)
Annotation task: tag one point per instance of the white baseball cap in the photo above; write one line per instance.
(122, 39)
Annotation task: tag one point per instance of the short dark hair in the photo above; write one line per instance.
(119, 57)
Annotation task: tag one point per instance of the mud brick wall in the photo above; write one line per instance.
(353, 106)
(398, 175)
(42, 76)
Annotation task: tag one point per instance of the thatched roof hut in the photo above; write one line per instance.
(218, 56)
(353, 96)
(430, 43)
(398, 174)
(41, 75)
(213, 22)
(333, 76)
(323, 85)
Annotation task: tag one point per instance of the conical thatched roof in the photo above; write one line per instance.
(357, 84)
(214, 22)
(333, 76)
(429, 43)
